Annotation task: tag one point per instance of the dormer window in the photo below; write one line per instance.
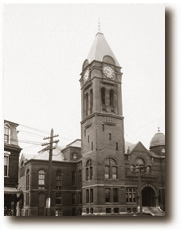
(6, 134)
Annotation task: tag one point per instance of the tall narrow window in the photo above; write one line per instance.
(116, 146)
(6, 134)
(73, 198)
(88, 138)
(91, 195)
(110, 137)
(107, 194)
(41, 179)
(6, 164)
(87, 195)
(111, 97)
(58, 180)
(115, 194)
(73, 178)
(91, 101)
(28, 179)
(80, 177)
(103, 96)
(103, 127)
(58, 198)
(92, 146)
(89, 170)
(111, 169)
(86, 104)
(131, 195)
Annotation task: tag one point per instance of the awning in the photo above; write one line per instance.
(10, 190)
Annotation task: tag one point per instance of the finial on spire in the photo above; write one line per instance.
(99, 26)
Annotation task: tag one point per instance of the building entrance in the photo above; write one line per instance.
(148, 197)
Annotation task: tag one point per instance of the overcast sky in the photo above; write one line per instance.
(44, 49)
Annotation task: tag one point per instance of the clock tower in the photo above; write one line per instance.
(102, 132)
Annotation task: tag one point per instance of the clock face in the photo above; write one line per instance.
(86, 75)
(108, 71)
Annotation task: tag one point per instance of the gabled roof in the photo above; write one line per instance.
(76, 143)
(99, 49)
(129, 147)
(57, 155)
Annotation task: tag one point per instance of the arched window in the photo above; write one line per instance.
(28, 179)
(58, 180)
(103, 96)
(148, 169)
(86, 104)
(111, 169)
(140, 165)
(41, 179)
(91, 100)
(6, 133)
(89, 170)
(111, 97)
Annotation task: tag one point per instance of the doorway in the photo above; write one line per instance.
(148, 197)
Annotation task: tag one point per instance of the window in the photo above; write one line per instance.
(88, 138)
(87, 210)
(58, 180)
(115, 194)
(110, 136)
(107, 194)
(103, 93)
(111, 97)
(28, 179)
(27, 198)
(116, 146)
(91, 195)
(87, 195)
(73, 177)
(41, 179)
(140, 165)
(108, 210)
(116, 210)
(131, 195)
(92, 146)
(6, 133)
(91, 100)
(58, 198)
(6, 163)
(58, 212)
(103, 127)
(80, 198)
(79, 177)
(89, 170)
(111, 169)
(73, 198)
(91, 210)
(86, 104)
(148, 169)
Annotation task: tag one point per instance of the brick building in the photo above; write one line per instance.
(101, 174)
(66, 183)
(11, 163)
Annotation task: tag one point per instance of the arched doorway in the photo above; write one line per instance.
(148, 197)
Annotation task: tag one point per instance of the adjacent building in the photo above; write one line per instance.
(11, 164)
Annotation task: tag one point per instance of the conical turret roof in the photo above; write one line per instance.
(99, 49)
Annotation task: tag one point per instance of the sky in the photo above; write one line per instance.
(44, 47)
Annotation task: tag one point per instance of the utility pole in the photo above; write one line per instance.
(50, 148)
(139, 192)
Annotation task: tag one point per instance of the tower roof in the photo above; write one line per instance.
(100, 48)
(158, 139)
